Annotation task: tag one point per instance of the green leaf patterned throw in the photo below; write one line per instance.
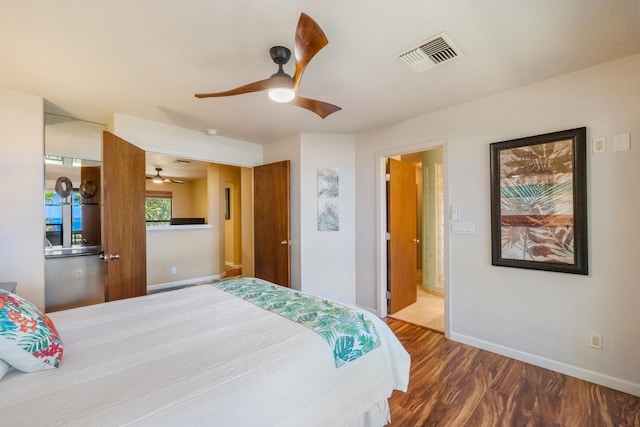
(349, 333)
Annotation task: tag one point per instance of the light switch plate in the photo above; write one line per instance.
(463, 227)
(621, 142)
(599, 145)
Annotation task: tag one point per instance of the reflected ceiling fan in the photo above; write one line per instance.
(158, 179)
(309, 40)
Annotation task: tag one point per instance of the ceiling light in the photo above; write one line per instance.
(282, 94)
(212, 131)
(157, 179)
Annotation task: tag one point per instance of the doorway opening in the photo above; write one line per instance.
(428, 186)
(430, 308)
(204, 239)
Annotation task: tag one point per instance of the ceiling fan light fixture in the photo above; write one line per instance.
(282, 94)
(157, 179)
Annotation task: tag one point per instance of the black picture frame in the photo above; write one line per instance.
(539, 202)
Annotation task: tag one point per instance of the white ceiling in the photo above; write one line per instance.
(147, 58)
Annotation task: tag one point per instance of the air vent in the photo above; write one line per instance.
(431, 52)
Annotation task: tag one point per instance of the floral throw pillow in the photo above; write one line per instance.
(4, 367)
(28, 339)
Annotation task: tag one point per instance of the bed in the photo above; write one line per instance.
(211, 355)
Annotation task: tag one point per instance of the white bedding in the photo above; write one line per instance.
(198, 356)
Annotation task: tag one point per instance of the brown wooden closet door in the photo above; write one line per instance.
(271, 222)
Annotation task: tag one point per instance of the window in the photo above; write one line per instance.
(158, 207)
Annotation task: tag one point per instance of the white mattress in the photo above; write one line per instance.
(198, 356)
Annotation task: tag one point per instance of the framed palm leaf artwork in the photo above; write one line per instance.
(539, 202)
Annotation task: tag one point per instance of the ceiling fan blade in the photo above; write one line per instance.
(258, 86)
(175, 181)
(310, 39)
(323, 109)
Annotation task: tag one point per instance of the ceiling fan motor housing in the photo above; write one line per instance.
(280, 54)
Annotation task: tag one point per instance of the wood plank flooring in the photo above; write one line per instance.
(452, 384)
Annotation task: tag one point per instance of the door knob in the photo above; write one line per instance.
(416, 241)
(109, 257)
(284, 242)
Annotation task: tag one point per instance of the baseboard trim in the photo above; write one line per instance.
(543, 362)
(183, 282)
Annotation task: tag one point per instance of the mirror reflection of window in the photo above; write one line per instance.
(53, 218)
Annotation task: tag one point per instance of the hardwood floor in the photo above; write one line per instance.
(452, 384)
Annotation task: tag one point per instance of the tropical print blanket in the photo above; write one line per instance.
(349, 333)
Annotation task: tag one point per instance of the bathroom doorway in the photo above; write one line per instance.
(428, 310)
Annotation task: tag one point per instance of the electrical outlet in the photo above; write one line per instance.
(596, 340)
(174, 270)
(599, 145)
(79, 274)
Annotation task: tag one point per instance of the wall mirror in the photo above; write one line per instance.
(72, 187)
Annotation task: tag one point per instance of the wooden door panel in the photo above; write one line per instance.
(124, 218)
(271, 222)
(402, 248)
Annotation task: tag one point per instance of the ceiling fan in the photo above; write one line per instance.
(158, 179)
(309, 40)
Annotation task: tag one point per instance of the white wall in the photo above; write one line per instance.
(328, 257)
(322, 263)
(172, 140)
(540, 317)
(22, 206)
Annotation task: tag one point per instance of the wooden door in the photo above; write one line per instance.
(402, 243)
(271, 223)
(124, 219)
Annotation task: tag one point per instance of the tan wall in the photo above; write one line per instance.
(190, 251)
(200, 199)
(246, 221)
(184, 203)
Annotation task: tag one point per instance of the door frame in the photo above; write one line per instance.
(381, 223)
